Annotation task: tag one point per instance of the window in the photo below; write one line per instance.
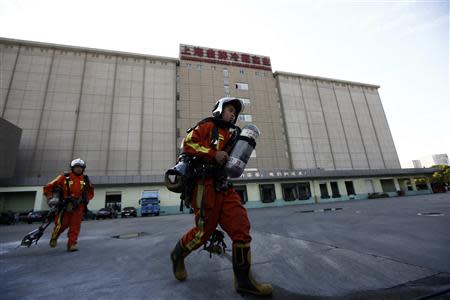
(241, 71)
(335, 189)
(114, 200)
(289, 191)
(213, 67)
(242, 86)
(267, 192)
(150, 194)
(226, 73)
(227, 89)
(199, 67)
(242, 191)
(350, 188)
(225, 81)
(246, 101)
(189, 66)
(324, 191)
(245, 118)
(304, 191)
(388, 185)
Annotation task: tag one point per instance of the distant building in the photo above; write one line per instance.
(417, 163)
(431, 160)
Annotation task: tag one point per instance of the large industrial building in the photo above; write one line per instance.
(125, 114)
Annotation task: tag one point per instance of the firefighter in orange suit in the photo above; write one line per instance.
(75, 192)
(213, 204)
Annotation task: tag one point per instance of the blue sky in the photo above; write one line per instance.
(403, 46)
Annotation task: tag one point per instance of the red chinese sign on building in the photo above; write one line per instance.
(224, 57)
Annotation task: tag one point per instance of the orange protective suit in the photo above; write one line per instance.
(212, 207)
(64, 218)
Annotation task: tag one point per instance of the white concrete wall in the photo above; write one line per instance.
(132, 194)
(170, 201)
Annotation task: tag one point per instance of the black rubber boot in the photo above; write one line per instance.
(177, 256)
(243, 280)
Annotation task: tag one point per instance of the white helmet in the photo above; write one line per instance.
(78, 162)
(218, 107)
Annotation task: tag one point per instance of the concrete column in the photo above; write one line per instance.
(413, 184)
(314, 189)
(377, 187)
(253, 192)
(278, 192)
(39, 200)
(342, 188)
(428, 184)
(397, 185)
(330, 193)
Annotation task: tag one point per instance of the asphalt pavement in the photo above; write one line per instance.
(395, 248)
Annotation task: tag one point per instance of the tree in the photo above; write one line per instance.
(440, 179)
(441, 176)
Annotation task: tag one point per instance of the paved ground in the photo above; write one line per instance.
(372, 249)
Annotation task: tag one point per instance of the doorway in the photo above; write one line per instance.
(114, 200)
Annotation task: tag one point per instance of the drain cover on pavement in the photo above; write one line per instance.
(430, 214)
(129, 235)
(320, 210)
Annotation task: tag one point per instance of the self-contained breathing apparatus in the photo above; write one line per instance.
(242, 149)
(181, 178)
(57, 204)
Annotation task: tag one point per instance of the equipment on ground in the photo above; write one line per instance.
(35, 235)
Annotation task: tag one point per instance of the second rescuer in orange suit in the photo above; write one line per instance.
(212, 207)
(71, 213)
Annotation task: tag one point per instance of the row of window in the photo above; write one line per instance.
(295, 191)
(291, 191)
(226, 73)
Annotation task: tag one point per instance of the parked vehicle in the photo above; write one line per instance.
(129, 212)
(23, 216)
(89, 215)
(105, 213)
(7, 218)
(37, 216)
(149, 206)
